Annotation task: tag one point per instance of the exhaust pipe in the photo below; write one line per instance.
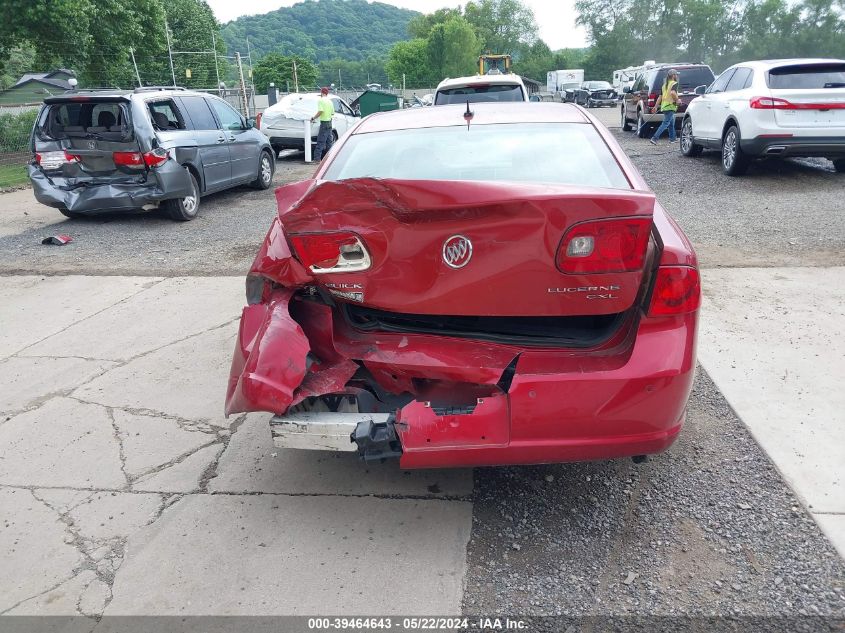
(775, 149)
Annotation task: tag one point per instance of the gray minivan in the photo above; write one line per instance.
(116, 150)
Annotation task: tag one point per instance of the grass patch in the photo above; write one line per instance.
(13, 175)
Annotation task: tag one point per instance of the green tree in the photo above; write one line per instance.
(279, 69)
(452, 48)
(410, 59)
(420, 25)
(502, 26)
(193, 27)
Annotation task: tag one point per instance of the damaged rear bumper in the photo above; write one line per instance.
(169, 181)
(467, 402)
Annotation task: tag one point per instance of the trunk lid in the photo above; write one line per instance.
(470, 248)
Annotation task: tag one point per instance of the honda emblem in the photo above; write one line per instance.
(457, 251)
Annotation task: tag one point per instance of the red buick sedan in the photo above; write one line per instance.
(465, 288)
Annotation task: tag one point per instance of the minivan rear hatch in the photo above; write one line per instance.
(87, 140)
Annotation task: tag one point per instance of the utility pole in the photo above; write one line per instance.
(295, 78)
(169, 52)
(137, 74)
(244, 104)
(214, 52)
(251, 77)
(339, 79)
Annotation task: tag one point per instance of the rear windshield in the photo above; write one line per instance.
(597, 85)
(808, 76)
(474, 94)
(560, 153)
(106, 120)
(690, 78)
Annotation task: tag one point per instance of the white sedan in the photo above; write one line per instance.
(770, 109)
(282, 122)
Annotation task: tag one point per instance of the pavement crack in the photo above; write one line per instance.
(153, 284)
(176, 460)
(121, 449)
(210, 471)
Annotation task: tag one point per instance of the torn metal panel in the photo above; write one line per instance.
(270, 358)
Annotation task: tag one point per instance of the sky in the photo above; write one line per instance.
(556, 18)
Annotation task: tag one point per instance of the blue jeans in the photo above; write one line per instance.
(668, 123)
(324, 140)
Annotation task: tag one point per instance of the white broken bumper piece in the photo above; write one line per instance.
(321, 431)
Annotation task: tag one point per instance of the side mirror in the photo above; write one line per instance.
(250, 123)
(534, 98)
(356, 112)
(700, 90)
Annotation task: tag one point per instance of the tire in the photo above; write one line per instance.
(839, 165)
(626, 124)
(589, 103)
(73, 215)
(642, 126)
(334, 137)
(266, 165)
(688, 145)
(184, 209)
(734, 161)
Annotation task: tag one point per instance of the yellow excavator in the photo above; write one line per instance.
(489, 64)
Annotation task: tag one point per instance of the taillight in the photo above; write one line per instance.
(331, 252)
(54, 160)
(128, 159)
(677, 290)
(604, 246)
(151, 159)
(770, 103)
(156, 157)
(258, 120)
(652, 98)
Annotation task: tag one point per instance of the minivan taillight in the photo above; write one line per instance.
(677, 290)
(341, 252)
(54, 160)
(151, 159)
(614, 245)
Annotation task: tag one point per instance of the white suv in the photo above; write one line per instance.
(489, 87)
(766, 109)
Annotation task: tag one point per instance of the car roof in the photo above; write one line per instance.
(483, 114)
(775, 63)
(480, 79)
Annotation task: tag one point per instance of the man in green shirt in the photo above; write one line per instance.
(325, 112)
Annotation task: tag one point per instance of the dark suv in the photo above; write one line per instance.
(639, 100)
(124, 150)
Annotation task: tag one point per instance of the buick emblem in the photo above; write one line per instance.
(457, 251)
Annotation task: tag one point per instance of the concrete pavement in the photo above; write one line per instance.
(117, 465)
(773, 341)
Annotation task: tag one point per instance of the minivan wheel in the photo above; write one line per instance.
(642, 132)
(734, 161)
(184, 209)
(688, 146)
(626, 124)
(839, 165)
(265, 172)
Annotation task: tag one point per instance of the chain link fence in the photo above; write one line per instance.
(15, 127)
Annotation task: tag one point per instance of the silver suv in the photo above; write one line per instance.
(119, 150)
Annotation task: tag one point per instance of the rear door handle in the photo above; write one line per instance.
(221, 139)
(231, 138)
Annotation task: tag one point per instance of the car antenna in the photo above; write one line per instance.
(468, 115)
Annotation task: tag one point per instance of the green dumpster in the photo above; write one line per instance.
(376, 101)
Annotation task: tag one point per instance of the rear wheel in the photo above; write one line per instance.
(839, 165)
(688, 145)
(642, 126)
(734, 161)
(264, 178)
(184, 209)
(626, 124)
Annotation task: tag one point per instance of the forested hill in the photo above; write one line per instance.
(322, 29)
